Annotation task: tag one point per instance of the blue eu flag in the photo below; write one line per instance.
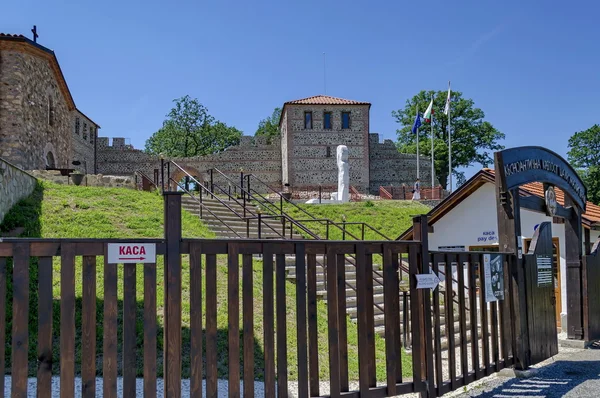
(417, 123)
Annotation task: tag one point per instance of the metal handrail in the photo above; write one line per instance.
(205, 207)
(280, 195)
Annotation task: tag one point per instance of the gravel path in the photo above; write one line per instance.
(571, 373)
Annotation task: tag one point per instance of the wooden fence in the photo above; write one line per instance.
(591, 294)
(218, 270)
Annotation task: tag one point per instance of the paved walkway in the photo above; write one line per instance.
(572, 373)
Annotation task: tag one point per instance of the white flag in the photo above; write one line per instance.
(447, 107)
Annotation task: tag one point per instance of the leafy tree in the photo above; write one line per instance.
(584, 155)
(270, 126)
(189, 130)
(473, 139)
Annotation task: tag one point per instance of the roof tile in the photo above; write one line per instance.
(325, 100)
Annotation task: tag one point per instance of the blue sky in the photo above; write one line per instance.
(533, 68)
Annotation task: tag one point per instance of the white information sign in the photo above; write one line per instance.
(493, 271)
(127, 253)
(427, 281)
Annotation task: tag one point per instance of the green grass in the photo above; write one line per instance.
(58, 211)
(391, 218)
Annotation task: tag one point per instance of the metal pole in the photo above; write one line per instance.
(418, 145)
(343, 230)
(327, 231)
(363, 231)
(169, 176)
(259, 222)
(212, 184)
(162, 174)
(320, 193)
(432, 149)
(242, 184)
(449, 145)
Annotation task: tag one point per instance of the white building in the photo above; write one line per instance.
(467, 221)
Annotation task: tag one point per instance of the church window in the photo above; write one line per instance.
(92, 134)
(84, 130)
(50, 111)
(327, 120)
(328, 152)
(345, 120)
(308, 122)
(77, 125)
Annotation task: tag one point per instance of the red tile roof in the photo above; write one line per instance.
(325, 100)
(588, 219)
(592, 211)
(9, 35)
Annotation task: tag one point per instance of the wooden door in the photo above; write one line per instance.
(555, 274)
(540, 295)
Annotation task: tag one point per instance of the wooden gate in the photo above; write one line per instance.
(541, 300)
(591, 294)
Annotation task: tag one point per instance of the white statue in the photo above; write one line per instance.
(343, 192)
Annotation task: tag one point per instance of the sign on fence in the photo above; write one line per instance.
(121, 253)
(544, 270)
(494, 277)
(427, 281)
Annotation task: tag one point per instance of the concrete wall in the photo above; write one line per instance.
(308, 163)
(474, 222)
(15, 184)
(27, 86)
(93, 180)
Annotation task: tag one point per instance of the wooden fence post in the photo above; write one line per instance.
(421, 234)
(172, 295)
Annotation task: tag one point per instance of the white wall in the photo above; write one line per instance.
(474, 222)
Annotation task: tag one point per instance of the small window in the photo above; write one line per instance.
(345, 120)
(92, 134)
(308, 120)
(77, 125)
(327, 120)
(50, 111)
(328, 152)
(84, 130)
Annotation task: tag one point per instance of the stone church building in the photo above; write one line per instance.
(41, 127)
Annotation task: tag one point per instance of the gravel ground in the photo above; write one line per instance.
(571, 373)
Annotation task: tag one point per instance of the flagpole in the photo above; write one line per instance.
(432, 157)
(449, 144)
(418, 144)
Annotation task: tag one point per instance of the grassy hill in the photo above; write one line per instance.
(59, 211)
(389, 217)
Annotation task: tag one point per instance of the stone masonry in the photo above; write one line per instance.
(15, 184)
(38, 117)
(41, 127)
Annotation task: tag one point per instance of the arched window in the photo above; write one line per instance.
(50, 160)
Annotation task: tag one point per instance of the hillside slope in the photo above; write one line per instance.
(59, 211)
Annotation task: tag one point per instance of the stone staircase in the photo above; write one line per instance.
(228, 225)
(378, 301)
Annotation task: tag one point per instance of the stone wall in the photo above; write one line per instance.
(312, 152)
(15, 184)
(93, 180)
(252, 155)
(84, 138)
(34, 116)
(389, 167)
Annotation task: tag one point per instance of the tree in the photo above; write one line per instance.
(270, 126)
(190, 130)
(584, 155)
(473, 139)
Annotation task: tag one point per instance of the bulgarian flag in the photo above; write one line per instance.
(429, 112)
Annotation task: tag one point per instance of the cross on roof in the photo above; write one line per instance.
(35, 35)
